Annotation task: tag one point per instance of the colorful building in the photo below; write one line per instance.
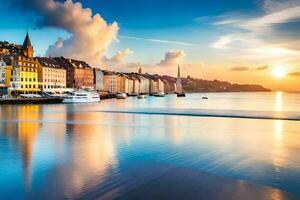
(79, 73)
(51, 76)
(24, 73)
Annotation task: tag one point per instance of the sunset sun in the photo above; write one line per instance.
(278, 72)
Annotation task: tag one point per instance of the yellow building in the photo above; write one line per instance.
(24, 73)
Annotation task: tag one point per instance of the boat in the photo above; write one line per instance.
(204, 98)
(159, 94)
(30, 96)
(141, 96)
(179, 90)
(132, 94)
(82, 97)
(181, 95)
(121, 95)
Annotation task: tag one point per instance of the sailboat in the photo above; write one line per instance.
(179, 90)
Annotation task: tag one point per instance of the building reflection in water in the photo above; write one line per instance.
(85, 147)
(21, 127)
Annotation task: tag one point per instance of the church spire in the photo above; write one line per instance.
(26, 42)
(27, 48)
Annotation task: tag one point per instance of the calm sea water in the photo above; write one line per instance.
(72, 151)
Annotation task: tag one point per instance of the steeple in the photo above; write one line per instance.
(27, 48)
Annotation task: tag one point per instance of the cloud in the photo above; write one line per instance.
(90, 35)
(119, 56)
(223, 42)
(257, 37)
(239, 68)
(275, 13)
(173, 58)
(294, 74)
(160, 41)
(261, 68)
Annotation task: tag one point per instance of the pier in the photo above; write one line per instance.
(31, 101)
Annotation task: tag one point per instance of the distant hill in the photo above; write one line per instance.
(200, 85)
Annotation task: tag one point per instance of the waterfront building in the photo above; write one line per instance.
(24, 74)
(111, 82)
(2, 72)
(156, 83)
(79, 73)
(144, 84)
(124, 83)
(130, 84)
(169, 84)
(51, 76)
(98, 78)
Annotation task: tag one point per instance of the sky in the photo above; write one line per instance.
(253, 41)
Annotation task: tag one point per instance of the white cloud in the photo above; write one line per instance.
(119, 57)
(160, 41)
(249, 37)
(173, 58)
(90, 36)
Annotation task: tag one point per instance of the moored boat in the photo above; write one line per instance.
(159, 94)
(121, 95)
(82, 97)
(141, 96)
(179, 89)
(181, 95)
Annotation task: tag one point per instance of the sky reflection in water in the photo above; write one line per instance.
(57, 148)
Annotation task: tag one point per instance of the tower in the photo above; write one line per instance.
(27, 48)
(140, 70)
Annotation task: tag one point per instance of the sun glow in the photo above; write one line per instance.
(279, 72)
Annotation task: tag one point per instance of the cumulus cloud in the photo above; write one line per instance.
(260, 68)
(239, 68)
(90, 34)
(173, 58)
(119, 57)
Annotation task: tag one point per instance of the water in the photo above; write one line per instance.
(85, 151)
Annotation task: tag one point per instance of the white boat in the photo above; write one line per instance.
(121, 95)
(30, 96)
(81, 97)
(141, 96)
(159, 94)
(179, 89)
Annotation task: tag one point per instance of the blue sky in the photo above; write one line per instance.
(210, 39)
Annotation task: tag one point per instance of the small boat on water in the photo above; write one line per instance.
(180, 94)
(132, 94)
(28, 96)
(204, 98)
(121, 95)
(179, 90)
(159, 94)
(141, 96)
(82, 97)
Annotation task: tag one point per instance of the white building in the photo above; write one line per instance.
(144, 84)
(99, 82)
(2, 72)
(156, 84)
